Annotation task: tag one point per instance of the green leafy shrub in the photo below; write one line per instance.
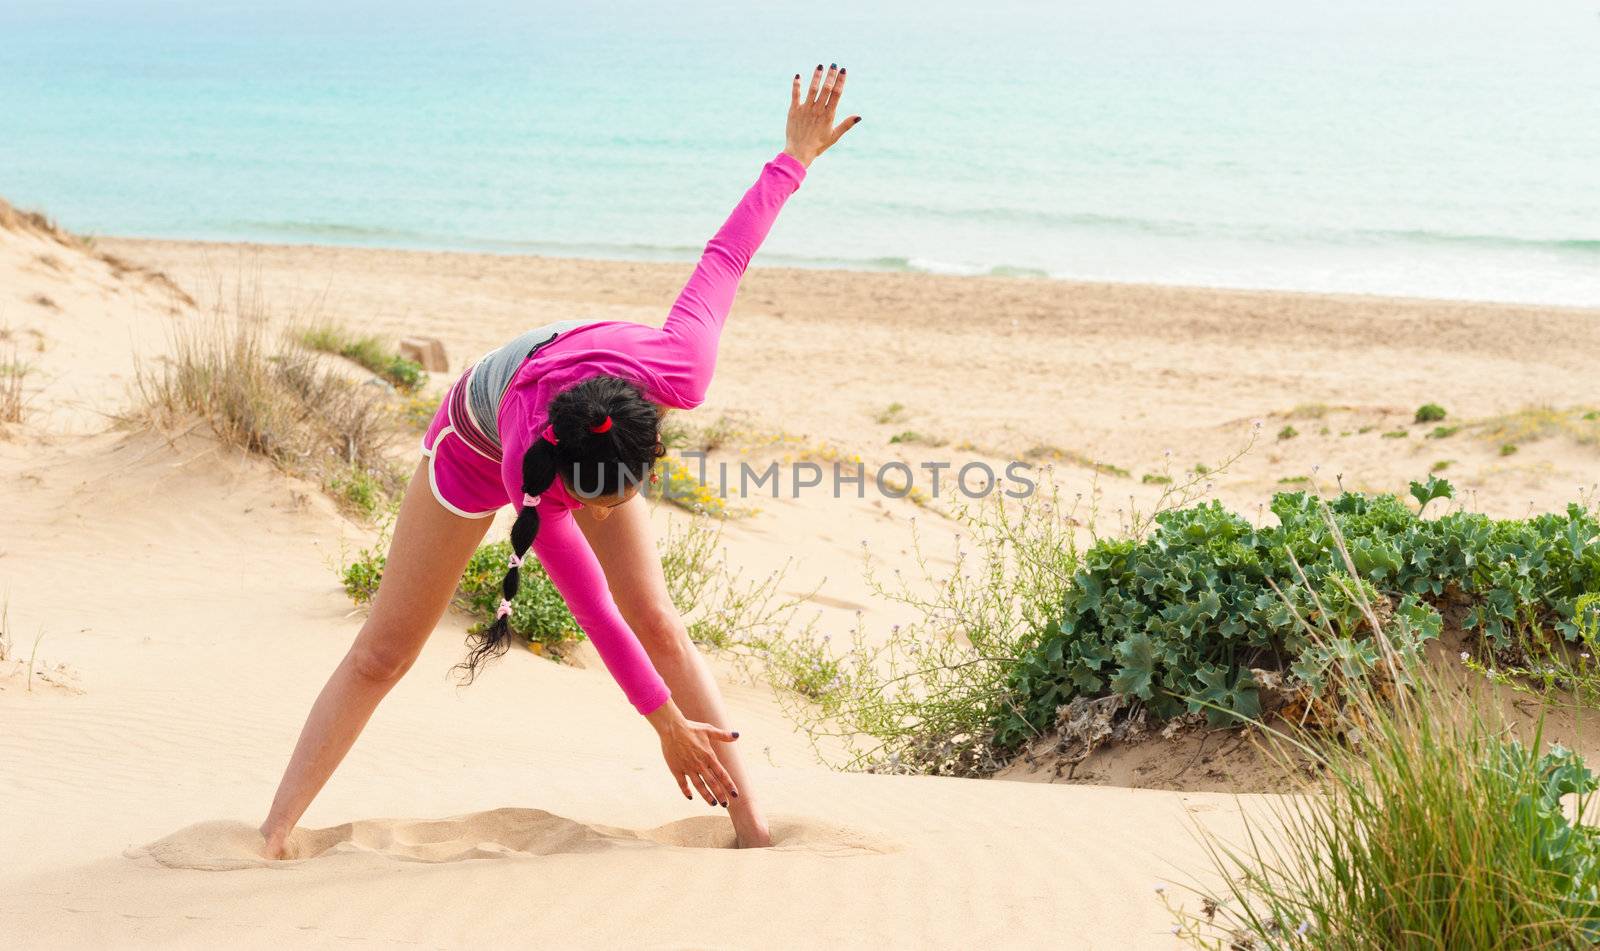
(1430, 413)
(1443, 432)
(1177, 621)
(1288, 432)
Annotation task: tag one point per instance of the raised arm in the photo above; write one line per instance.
(694, 324)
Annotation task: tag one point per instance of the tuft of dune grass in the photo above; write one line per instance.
(261, 393)
(16, 219)
(367, 351)
(13, 405)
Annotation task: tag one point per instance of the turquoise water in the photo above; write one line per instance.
(1432, 147)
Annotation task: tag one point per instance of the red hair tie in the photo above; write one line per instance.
(604, 426)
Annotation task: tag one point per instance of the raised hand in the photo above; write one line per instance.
(811, 128)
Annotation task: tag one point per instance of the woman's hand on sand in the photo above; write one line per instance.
(687, 746)
(811, 128)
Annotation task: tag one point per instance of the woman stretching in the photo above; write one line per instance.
(564, 424)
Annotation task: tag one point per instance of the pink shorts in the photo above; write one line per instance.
(464, 480)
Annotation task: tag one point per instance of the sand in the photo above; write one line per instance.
(190, 595)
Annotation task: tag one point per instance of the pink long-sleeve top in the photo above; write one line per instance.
(673, 366)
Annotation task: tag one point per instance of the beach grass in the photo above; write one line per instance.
(13, 374)
(259, 393)
(1418, 821)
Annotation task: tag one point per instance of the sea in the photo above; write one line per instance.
(1435, 148)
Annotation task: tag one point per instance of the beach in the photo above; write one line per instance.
(178, 603)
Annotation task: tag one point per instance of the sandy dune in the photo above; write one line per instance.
(192, 591)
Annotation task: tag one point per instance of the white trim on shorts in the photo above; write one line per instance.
(433, 482)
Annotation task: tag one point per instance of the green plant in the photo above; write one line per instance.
(1288, 432)
(724, 611)
(893, 413)
(1443, 432)
(368, 351)
(538, 613)
(924, 698)
(264, 396)
(1442, 465)
(417, 411)
(1508, 449)
(361, 492)
(1430, 413)
(1178, 621)
(915, 438)
(1427, 834)
(677, 484)
(1542, 422)
(1153, 478)
(1295, 480)
(1420, 822)
(13, 373)
(1547, 666)
(1047, 452)
(1396, 434)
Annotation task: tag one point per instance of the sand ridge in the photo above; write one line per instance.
(506, 833)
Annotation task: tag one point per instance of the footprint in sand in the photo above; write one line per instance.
(498, 833)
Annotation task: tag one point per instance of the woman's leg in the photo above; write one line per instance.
(429, 551)
(626, 548)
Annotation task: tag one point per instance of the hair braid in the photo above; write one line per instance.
(590, 463)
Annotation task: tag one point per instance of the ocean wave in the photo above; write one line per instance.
(1050, 219)
(1509, 242)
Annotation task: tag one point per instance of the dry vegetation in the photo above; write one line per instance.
(261, 392)
(33, 222)
(13, 372)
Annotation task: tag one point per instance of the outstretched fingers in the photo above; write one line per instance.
(834, 88)
(816, 84)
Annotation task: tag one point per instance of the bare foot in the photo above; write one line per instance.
(751, 832)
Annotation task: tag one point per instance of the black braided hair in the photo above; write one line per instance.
(591, 465)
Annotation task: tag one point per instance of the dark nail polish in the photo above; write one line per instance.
(736, 734)
(819, 65)
(833, 65)
(841, 70)
(736, 794)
